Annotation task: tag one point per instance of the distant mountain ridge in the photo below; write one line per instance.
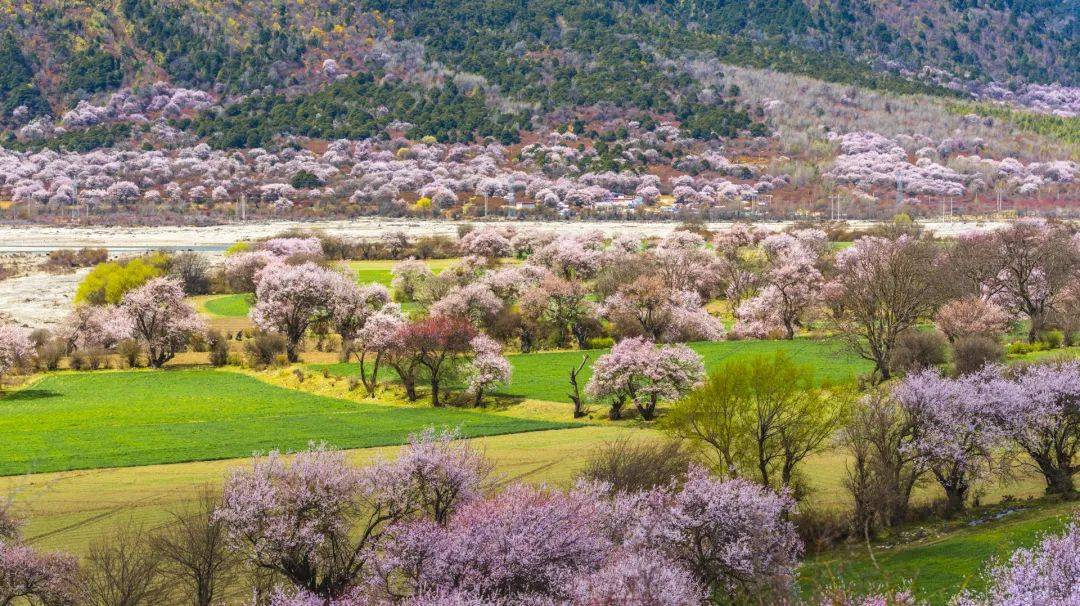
(546, 53)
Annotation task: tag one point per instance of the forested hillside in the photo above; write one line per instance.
(952, 92)
(551, 52)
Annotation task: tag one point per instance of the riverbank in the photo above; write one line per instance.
(43, 238)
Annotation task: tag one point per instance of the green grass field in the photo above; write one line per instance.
(939, 567)
(114, 419)
(545, 375)
(379, 271)
(229, 306)
(68, 510)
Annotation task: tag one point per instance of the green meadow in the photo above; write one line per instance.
(229, 306)
(545, 375)
(114, 419)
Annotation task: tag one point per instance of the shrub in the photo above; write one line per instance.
(821, 528)
(631, 465)
(108, 282)
(193, 271)
(197, 342)
(918, 349)
(219, 348)
(50, 353)
(40, 337)
(1020, 348)
(264, 349)
(94, 358)
(66, 258)
(130, 351)
(601, 342)
(972, 352)
(434, 247)
(77, 360)
(1053, 339)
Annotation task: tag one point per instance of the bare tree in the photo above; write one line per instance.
(580, 410)
(883, 288)
(194, 553)
(884, 469)
(123, 569)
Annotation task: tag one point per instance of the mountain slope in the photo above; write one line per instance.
(547, 53)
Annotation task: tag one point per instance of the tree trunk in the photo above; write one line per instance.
(479, 402)
(1059, 477)
(648, 410)
(372, 382)
(883, 371)
(435, 393)
(955, 500)
(582, 336)
(1060, 482)
(408, 381)
(763, 462)
(616, 409)
(526, 340)
(1036, 327)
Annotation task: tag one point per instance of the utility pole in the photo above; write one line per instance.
(75, 199)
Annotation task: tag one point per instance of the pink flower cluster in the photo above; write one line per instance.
(639, 371)
(161, 319)
(1048, 573)
(14, 347)
(420, 530)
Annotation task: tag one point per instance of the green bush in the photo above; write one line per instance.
(1053, 339)
(306, 179)
(1020, 348)
(601, 342)
(108, 282)
(265, 349)
(219, 348)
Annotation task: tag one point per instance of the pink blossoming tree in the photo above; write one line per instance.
(15, 349)
(96, 326)
(639, 371)
(957, 433)
(793, 284)
(317, 520)
(733, 536)
(1039, 411)
(971, 316)
(28, 576)
(288, 299)
(488, 367)
(161, 320)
